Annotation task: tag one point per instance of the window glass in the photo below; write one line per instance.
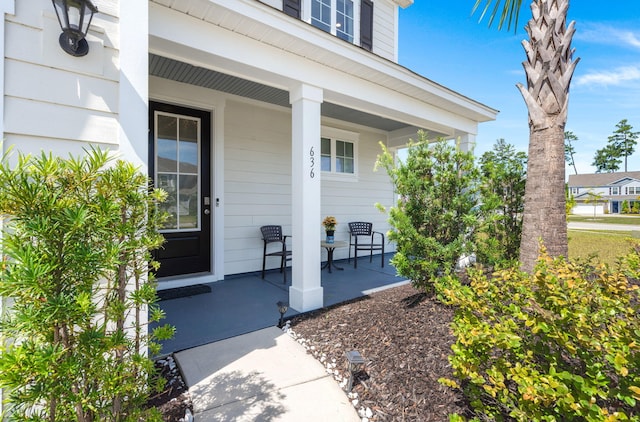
(344, 157)
(338, 156)
(188, 145)
(321, 14)
(344, 20)
(167, 143)
(325, 146)
(177, 170)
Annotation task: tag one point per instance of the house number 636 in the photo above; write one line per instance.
(312, 162)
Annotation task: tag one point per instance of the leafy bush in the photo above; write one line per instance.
(435, 217)
(76, 241)
(562, 344)
(503, 172)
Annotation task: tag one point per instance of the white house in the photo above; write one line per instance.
(248, 112)
(612, 191)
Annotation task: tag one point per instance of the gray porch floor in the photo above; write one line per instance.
(245, 303)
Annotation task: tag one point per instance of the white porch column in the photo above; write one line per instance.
(467, 142)
(305, 293)
(133, 108)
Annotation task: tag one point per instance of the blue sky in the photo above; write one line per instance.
(442, 41)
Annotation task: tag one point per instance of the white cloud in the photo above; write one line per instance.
(630, 39)
(616, 76)
(605, 34)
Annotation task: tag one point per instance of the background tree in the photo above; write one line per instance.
(606, 160)
(569, 150)
(623, 141)
(549, 68)
(435, 218)
(503, 172)
(594, 198)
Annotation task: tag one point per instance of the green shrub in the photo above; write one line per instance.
(435, 218)
(562, 344)
(625, 207)
(503, 172)
(76, 240)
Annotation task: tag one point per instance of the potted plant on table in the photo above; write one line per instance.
(330, 224)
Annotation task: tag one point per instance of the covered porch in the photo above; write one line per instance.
(294, 121)
(244, 302)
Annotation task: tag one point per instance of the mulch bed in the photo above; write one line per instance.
(405, 337)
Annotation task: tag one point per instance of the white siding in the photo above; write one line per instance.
(384, 29)
(258, 185)
(257, 181)
(51, 95)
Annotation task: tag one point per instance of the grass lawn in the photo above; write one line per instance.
(607, 245)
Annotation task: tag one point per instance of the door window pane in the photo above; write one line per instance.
(188, 146)
(166, 144)
(169, 183)
(178, 170)
(188, 202)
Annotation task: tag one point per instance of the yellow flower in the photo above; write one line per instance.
(330, 223)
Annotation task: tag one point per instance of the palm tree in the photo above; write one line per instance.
(549, 68)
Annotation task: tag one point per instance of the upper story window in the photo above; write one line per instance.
(338, 152)
(614, 190)
(350, 20)
(335, 16)
(575, 191)
(633, 190)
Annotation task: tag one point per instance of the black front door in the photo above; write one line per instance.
(180, 164)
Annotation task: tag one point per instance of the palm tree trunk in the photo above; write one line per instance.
(544, 212)
(549, 68)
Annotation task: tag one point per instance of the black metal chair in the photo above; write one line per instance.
(362, 238)
(273, 234)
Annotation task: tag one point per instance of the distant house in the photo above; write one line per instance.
(613, 188)
(248, 112)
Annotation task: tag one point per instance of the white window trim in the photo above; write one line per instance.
(306, 16)
(341, 135)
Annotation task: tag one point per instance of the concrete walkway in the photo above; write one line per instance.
(585, 225)
(264, 375)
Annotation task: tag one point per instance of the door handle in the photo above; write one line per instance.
(207, 211)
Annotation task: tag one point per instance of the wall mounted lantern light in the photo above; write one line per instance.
(74, 17)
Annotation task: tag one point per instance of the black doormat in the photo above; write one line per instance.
(196, 289)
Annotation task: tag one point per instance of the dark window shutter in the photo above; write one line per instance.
(366, 24)
(291, 8)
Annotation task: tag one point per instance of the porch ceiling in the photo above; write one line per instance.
(178, 71)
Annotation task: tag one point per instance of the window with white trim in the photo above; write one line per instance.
(338, 152)
(339, 17)
(614, 190)
(575, 191)
(633, 190)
